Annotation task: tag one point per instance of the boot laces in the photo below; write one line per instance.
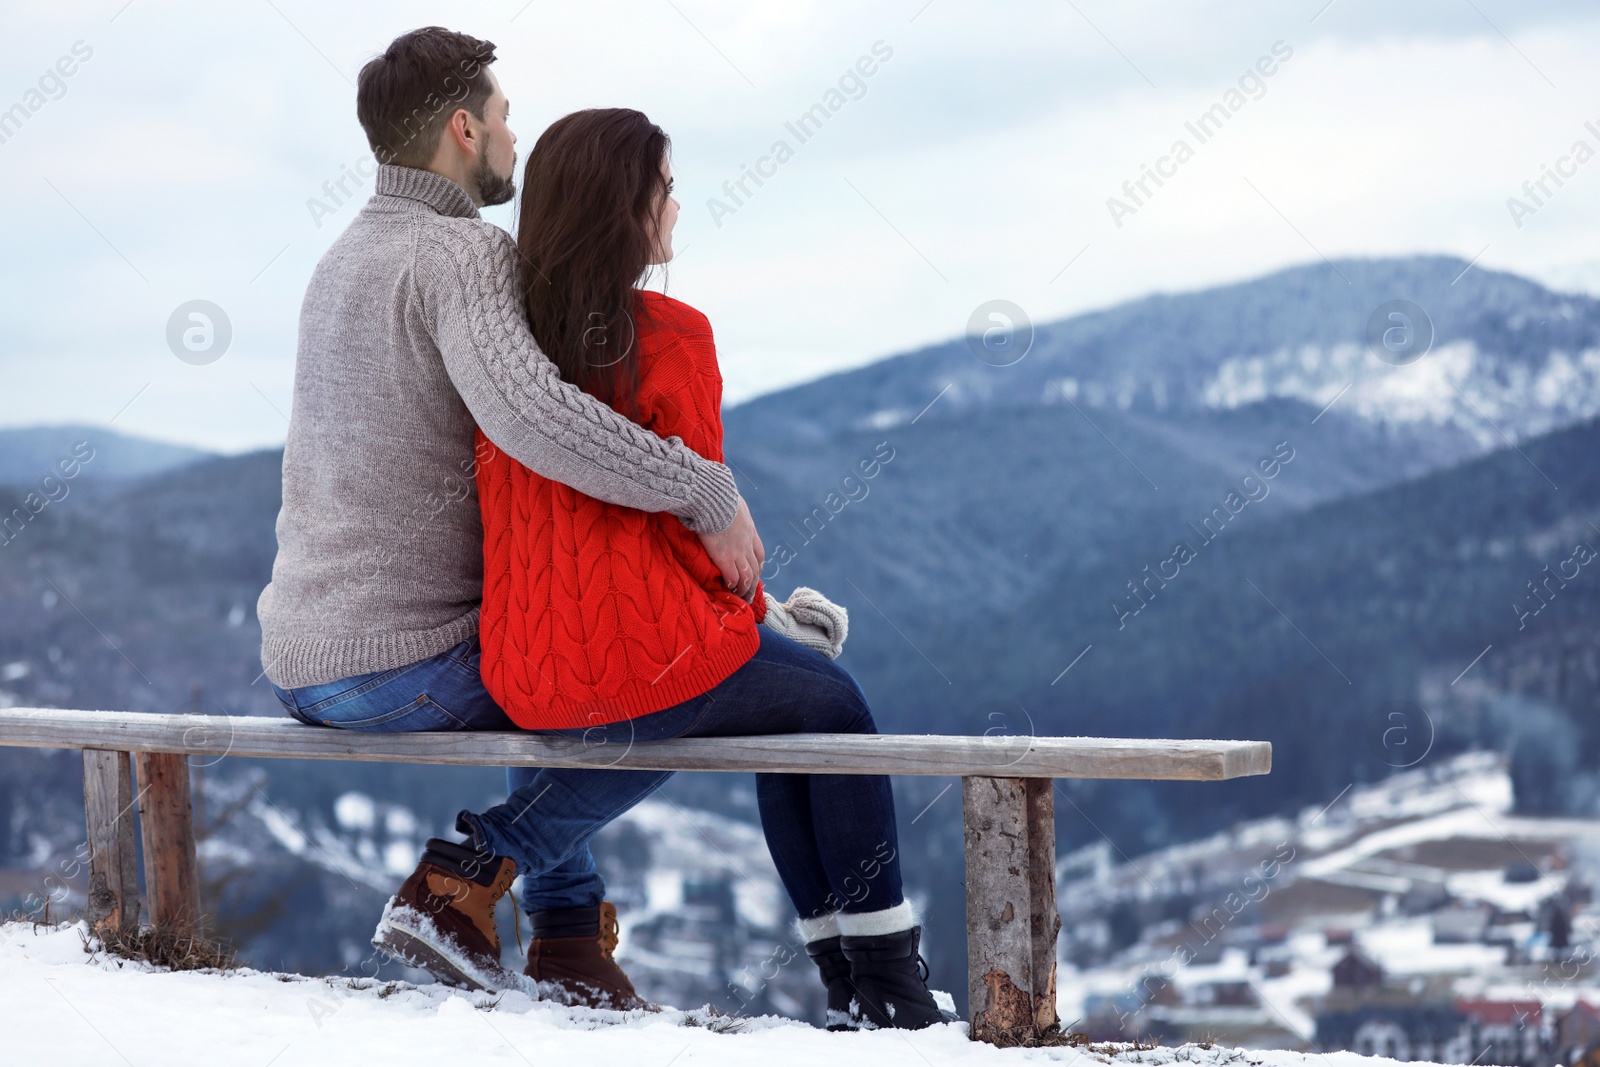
(922, 969)
(502, 887)
(610, 933)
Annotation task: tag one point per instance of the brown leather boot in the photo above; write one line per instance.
(572, 949)
(442, 918)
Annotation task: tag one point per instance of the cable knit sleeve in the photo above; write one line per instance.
(469, 290)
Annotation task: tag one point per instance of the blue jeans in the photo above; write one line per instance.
(832, 836)
(444, 693)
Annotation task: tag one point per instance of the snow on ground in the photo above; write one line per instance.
(64, 1008)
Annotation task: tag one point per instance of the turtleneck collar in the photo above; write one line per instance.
(424, 186)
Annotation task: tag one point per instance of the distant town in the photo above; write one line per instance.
(1415, 919)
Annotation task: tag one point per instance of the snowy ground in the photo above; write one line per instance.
(64, 1008)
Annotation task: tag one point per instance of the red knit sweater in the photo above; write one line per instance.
(592, 612)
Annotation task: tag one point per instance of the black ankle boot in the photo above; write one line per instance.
(890, 982)
(835, 968)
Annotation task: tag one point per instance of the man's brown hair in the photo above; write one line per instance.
(405, 97)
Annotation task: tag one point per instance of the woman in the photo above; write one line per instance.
(613, 625)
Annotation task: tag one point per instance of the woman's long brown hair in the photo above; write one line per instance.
(591, 192)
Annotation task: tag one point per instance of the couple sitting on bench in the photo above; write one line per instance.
(504, 507)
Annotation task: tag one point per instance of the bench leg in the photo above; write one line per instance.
(166, 818)
(113, 903)
(1012, 920)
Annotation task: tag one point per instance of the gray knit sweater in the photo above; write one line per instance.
(412, 333)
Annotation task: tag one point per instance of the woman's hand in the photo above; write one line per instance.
(738, 552)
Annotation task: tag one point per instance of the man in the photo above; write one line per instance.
(411, 335)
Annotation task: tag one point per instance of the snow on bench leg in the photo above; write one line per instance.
(113, 902)
(1012, 921)
(166, 819)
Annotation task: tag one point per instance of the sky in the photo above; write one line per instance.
(194, 152)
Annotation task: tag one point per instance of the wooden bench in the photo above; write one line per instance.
(1007, 795)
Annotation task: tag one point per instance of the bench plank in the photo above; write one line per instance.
(900, 754)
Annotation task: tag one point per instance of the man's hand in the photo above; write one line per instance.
(738, 552)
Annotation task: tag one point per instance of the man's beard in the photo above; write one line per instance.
(491, 188)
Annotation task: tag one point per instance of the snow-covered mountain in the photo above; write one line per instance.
(1479, 355)
(30, 454)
